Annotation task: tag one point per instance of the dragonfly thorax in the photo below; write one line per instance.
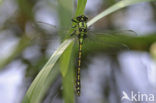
(82, 27)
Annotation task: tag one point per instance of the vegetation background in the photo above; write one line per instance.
(37, 60)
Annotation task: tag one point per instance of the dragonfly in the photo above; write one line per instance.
(81, 31)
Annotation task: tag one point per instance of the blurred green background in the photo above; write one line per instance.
(126, 63)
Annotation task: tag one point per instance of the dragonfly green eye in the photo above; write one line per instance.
(85, 18)
(82, 18)
(79, 18)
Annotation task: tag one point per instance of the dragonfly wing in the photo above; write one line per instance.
(52, 28)
(43, 39)
(114, 32)
(44, 27)
(108, 40)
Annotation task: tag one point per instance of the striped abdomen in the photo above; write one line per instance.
(78, 82)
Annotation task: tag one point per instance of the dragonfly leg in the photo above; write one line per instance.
(72, 33)
(74, 26)
(85, 36)
(74, 21)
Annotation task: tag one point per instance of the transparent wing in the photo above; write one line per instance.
(44, 36)
(45, 27)
(50, 28)
(110, 41)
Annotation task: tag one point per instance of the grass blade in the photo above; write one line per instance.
(65, 10)
(65, 60)
(67, 73)
(80, 7)
(115, 7)
(46, 76)
(65, 15)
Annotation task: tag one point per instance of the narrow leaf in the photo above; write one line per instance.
(153, 50)
(46, 76)
(65, 10)
(67, 74)
(80, 7)
(65, 60)
(115, 7)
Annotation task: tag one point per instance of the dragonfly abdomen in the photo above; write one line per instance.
(78, 83)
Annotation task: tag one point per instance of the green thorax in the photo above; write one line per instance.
(81, 30)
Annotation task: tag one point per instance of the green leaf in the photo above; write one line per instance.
(80, 7)
(25, 7)
(153, 51)
(68, 86)
(115, 7)
(67, 74)
(46, 76)
(65, 10)
(1, 1)
(65, 60)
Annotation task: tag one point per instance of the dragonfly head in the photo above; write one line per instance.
(82, 18)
